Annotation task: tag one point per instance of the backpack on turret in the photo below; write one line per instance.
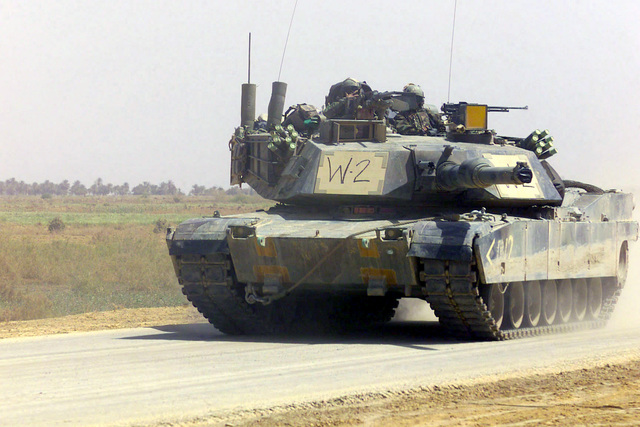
(303, 117)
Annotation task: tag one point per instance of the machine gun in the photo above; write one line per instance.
(473, 116)
(397, 101)
(374, 101)
(380, 102)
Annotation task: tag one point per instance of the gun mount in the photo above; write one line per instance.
(472, 117)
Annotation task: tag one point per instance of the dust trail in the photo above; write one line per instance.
(414, 309)
(627, 312)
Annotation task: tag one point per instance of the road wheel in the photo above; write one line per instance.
(495, 302)
(565, 301)
(533, 303)
(594, 305)
(580, 299)
(623, 264)
(515, 305)
(549, 302)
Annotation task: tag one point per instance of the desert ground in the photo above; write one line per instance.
(595, 389)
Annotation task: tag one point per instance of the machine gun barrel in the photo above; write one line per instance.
(397, 101)
(479, 173)
(495, 109)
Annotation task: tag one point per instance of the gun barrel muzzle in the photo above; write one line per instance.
(479, 173)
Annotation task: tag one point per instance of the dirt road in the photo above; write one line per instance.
(605, 395)
(400, 375)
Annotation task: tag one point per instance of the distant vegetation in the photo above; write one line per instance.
(76, 254)
(12, 187)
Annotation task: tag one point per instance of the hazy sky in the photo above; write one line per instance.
(133, 91)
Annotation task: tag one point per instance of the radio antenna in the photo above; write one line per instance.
(249, 62)
(287, 40)
(453, 28)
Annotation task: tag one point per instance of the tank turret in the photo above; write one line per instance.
(349, 160)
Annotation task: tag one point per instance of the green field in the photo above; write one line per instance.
(110, 254)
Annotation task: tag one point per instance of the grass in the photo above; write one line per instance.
(106, 210)
(107, 256)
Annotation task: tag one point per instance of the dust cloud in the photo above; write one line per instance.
(627, 314)
(414, 309)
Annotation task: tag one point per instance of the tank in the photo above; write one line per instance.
(478, 225)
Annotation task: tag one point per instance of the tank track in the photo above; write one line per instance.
(209, 284)
(452, 290)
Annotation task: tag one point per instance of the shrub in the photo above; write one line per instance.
(56, 225)
(160, 226)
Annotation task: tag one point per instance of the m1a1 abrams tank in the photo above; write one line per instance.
(476, 224)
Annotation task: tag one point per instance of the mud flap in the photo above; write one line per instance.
(204, 235)
(446, 239)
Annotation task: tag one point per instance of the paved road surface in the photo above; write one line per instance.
(173, 373)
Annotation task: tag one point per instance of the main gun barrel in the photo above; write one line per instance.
(479, 173)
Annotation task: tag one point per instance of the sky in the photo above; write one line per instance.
(149, 90)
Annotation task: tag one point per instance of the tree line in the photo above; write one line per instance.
(13, 187)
